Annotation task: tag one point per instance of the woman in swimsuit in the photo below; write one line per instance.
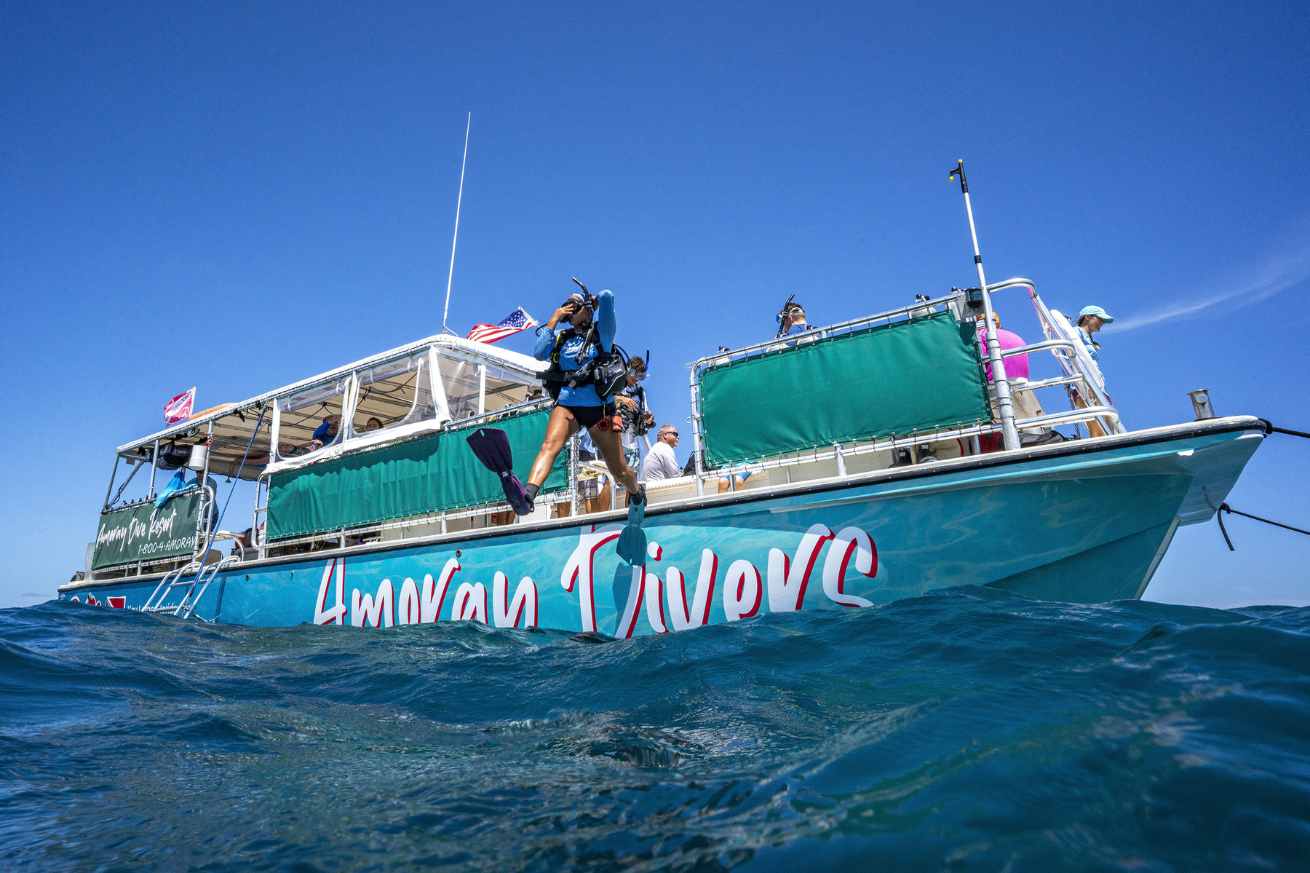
(580, 407)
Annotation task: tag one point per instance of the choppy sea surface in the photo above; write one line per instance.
(967, 730)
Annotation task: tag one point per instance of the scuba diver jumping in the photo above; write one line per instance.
(586, 370)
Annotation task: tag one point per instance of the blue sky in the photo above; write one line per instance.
(239, 196)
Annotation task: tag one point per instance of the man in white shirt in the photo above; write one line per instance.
(661, 462)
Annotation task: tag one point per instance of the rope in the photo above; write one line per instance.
(1269, 428)
(213, 532)
(1224, 507)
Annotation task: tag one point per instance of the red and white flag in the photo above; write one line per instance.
(517, 321)
(179, 408)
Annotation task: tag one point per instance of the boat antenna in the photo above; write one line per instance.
(451, 275)
(1009, 436)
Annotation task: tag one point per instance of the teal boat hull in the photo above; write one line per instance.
(1081, 522)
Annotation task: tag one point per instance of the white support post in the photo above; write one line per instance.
(573, 477)
(482, 389)
(698, 456)
(275, 430)
(438, 387)
(348, 404)
(154, 467)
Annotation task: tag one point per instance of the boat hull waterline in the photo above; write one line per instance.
(1088, 525)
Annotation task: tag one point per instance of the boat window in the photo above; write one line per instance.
(397, 392)
(505, 388)
(303, 412)
(463, 384)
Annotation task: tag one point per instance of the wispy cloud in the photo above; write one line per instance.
(1277, 274)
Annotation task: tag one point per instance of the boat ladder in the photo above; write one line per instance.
(195, 588)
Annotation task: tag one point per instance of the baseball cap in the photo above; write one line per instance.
(1098, 312)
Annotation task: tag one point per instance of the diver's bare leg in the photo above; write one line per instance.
(611, 449)
(559, 428)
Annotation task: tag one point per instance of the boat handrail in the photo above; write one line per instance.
(922, 307)
(909, 440)
(1036, 347)
(1071, 363)
(340, 534)
(259, 538)
(840, 452)
(451, 346)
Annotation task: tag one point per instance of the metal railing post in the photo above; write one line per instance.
(697, 453)
(1009, 435)
(573, 477)
(154, 466)
(112, 476)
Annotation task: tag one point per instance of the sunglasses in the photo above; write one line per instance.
(672, 433)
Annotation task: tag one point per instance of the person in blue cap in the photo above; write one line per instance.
(1090, 320)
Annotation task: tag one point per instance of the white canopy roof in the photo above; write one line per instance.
(234, 423)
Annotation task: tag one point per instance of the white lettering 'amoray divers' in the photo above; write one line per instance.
(665, 601)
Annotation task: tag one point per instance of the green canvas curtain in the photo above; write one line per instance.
(428, 474)
(895, 379)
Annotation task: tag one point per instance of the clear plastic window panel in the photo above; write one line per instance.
(302, 413)
(396, 393)
(505, 388)
(462, 385)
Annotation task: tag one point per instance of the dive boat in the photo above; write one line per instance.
(893, 464)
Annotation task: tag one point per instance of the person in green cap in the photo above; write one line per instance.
(1090, 320)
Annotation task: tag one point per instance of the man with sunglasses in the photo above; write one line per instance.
(661, 462)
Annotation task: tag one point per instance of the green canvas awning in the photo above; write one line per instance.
(434, 473)
(891, 380)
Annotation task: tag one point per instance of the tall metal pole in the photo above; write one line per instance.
(451, 275)
(1009, 435)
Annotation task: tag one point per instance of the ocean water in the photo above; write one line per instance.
(967, 730)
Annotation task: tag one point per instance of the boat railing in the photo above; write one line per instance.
(1077, 371)
(1077, 381)
(840, 452)
(820, 333)
(339, 538)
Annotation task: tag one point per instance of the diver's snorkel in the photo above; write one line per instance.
(779, 315)
(589, 302)
(588, 299)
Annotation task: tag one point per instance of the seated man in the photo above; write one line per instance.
(736, 483)
(661, 463)
(325, 433)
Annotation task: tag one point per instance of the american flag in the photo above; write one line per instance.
(489, 333)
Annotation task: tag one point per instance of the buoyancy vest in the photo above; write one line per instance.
(607, 371)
